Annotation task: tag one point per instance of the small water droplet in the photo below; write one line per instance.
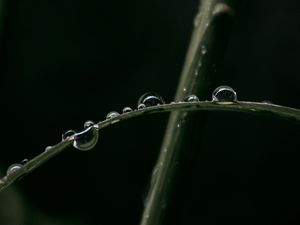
(24, 161)
(203, 50)
(267, 102)
(67, 134)
(48, 148)
(88, 123)
(141, 106)
(13, 168)
(112, 114)
(86, 139)
(127, 110)
(150, 99)
(184, 89)
(224, 95)
(191, 98)
(197, 20)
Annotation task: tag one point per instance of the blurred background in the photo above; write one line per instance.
(64, 62)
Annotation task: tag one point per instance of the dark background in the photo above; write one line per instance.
(64, 62)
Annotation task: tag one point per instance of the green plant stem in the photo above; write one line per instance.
(245, 107)
(207, 47)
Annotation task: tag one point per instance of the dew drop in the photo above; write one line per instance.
(150, 99)
(127, 110)
(86, 139)
(24, 161)
(13, 168)
(267, 102)
(88, 123)
(191, 98)
(48, 148)
(141, 106)
(224, 95)
(67, 134)
(203, 50)
(112, 114)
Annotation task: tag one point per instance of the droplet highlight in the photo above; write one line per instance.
(150, 99)
(224, 95)
(112, 114)
(191, 98)
(127, 110)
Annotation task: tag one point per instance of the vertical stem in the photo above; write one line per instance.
(208, 43)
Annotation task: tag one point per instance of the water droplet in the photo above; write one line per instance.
(24, 161)
(197, 20)
(112, 114)
(127, 110)
(13, 168)
(150, 99)
(224, 95)
(67, 134)
(141, 106)
(88, 123)
(184, 89)
(267, 102)
(191, 98)
(203, 50)
(48, 148)
(86, 139)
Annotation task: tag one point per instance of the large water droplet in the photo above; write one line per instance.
(13, 168)
(86, 139)
(224, 95)
(191, 98)
(112, 114)
(141, 106)
(150, 99)
(127, 110)
(67, 134)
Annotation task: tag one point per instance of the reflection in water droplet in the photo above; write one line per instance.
(191, 98)
(203, 50)
(13, 168)
(150, 99)
(141, 106)
(67, 134)
(224, 95)
(127, 110)
(112, 114)
(88, 124)
(86, 139)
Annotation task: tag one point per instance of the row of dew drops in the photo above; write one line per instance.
(85, 140)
